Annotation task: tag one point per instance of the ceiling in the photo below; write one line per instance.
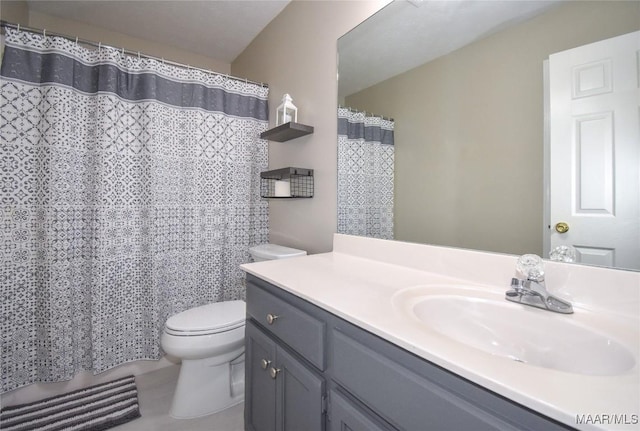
(222, 29)
(217, 29)
(407, 34)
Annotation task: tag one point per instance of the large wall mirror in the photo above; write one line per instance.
(469, 92)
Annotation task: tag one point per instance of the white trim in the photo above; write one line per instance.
(546, 183)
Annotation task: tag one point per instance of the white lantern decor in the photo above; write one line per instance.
(287, 111)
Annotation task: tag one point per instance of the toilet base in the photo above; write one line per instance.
(206, 387)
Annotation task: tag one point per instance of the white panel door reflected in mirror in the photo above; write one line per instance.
(595, 151)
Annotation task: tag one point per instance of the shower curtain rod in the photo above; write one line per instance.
(98, 45)
(365, 113)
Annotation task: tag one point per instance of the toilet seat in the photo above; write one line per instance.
(207, 319)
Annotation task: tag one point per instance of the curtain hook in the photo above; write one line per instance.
(18, 26)
(138, 55)
(99, 46)
(76, 40)
(163, 61)
(44, 32)
(122, 52)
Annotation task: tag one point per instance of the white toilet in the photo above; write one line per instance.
(273, 251)
(210, 342)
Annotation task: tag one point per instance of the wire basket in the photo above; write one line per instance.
(287, 183)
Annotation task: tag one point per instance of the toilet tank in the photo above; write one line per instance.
(273, 251)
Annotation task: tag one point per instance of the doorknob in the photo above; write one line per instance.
(562, 227)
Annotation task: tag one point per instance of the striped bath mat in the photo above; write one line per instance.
(94, 408)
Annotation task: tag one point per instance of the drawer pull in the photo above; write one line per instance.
(264, 363)
(271, 318)
(273, 372)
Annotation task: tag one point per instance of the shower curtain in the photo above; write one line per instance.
(130, 192)
(365, 174)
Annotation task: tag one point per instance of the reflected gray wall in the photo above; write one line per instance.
(469, 131)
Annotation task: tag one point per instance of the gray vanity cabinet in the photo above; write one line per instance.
(284, 392)
(371, 384)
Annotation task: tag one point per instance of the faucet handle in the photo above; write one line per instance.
(530, 266)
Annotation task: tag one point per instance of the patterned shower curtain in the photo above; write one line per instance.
(365, 174)
(130, 192)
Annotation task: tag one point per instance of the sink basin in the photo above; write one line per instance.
(485, 321)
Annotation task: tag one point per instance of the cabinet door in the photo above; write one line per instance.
(344, 416)
(260, 390)
(299, 393)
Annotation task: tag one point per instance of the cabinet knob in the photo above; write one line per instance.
(271, 318)
(273, 372)
(264, 363)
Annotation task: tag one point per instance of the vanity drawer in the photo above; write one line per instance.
(302, 332)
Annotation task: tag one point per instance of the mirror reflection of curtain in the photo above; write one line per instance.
(365, 174)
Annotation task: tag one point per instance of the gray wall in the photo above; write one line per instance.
(16, 12)
(296, 54)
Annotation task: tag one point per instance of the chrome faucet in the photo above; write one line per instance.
(531, 290)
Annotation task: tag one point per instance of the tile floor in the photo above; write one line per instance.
(155, 391)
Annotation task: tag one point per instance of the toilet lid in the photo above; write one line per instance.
(207, 319)
(275, 251)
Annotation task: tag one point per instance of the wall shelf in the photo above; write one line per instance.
(286, 132)
(286, 183)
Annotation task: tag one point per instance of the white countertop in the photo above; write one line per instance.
(359, 278)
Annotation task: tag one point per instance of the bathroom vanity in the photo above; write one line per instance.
(342, 340)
